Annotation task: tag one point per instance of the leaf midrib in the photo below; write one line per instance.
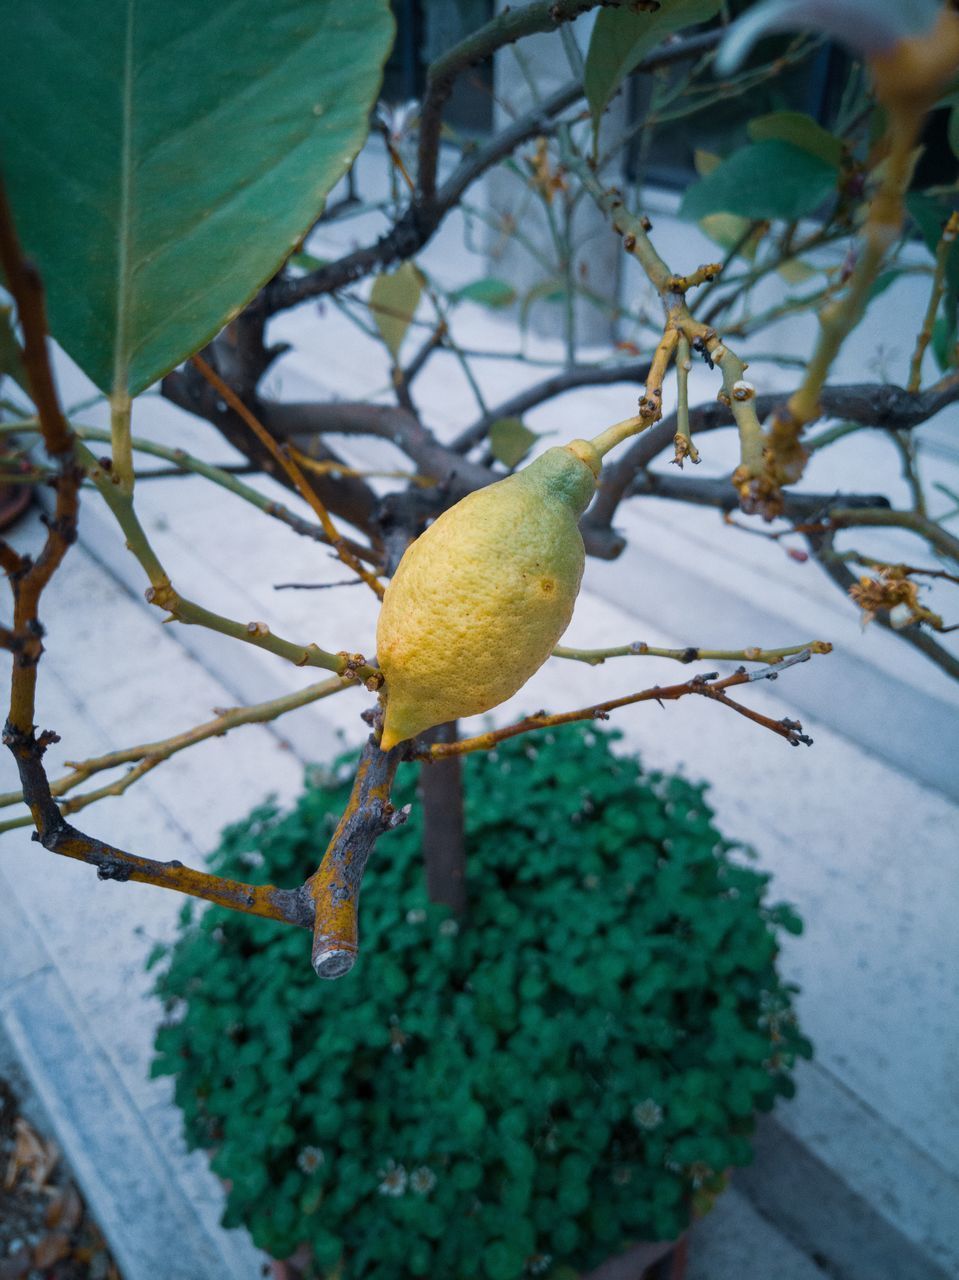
(120, 365)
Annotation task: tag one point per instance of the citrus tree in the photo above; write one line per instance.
(156, 228)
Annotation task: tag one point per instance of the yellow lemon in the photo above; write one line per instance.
(478, 602)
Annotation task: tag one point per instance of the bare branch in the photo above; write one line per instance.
(639, 648)
(414, 228)
(706, 685)
(821, 547)
(335, 886)
(548, 389)
(287, 463)
(56, 835)
(869, 404)
(29, 578)
(345, 496)
(148, 755)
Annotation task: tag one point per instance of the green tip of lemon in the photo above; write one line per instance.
(587, 452)
(479, 601)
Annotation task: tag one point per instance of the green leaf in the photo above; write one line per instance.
(883, 281)
(727, 230)
(795, 271)
(307, 261)
(11, 365)
(488, 292)
(510, 440)
(800, 130)
(501, 1262)
(162, 159)
(546, 291)
(621, 39)
(770, 179)
(930, 215)
(394, 299)
(705, 161)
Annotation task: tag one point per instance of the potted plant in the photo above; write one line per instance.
(527, 1089)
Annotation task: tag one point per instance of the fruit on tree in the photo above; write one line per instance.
(481, 598)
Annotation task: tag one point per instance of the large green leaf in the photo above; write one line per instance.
(622, 38)
(771, 179)
(163, 157)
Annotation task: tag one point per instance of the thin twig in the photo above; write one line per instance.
(154, 753)
(292, 469)
(944, 248)
(226, 477)
(706, 685)
(639, 648)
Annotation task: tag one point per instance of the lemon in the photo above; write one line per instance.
(480, 599)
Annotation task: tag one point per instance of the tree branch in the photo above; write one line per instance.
(706, 685)
(639, 648)
(869, 404)
(821, 547)
(292, 470)
(149, 754)
(345, 496)
(28, 578)
(335, 886)
(548, 389)
(57, 836)
(414, 228)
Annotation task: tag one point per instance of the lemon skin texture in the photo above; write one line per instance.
(481, 598)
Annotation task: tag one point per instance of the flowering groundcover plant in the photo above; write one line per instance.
(527, 1090)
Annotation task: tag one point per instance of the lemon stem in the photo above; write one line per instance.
(617, 433)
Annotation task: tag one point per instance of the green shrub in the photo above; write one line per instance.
(522, 1092)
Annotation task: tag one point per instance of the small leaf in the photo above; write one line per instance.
(705, 161)
(307, 261)
(510, 440)
(799, 129)
(50, 1249)
(393, 301)
(621, 39)
(795, 271)
(488, 292)
(770, 179)
(883, 281)
(728, 229)
(545, 291)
